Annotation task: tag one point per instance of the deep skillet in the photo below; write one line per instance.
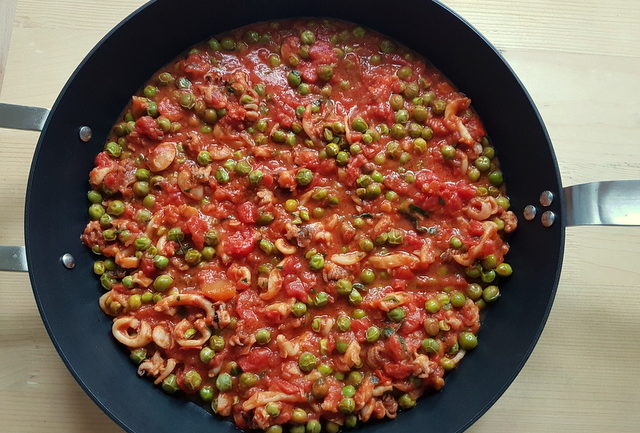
(67, 297)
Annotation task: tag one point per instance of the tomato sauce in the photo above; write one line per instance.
(300, 222)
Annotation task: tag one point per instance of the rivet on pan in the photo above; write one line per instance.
(546, 198)
(529, 212)
(68, 261)
(85, 133)
(548, 218)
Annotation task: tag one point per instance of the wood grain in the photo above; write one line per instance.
(579, 60)
(7, 11)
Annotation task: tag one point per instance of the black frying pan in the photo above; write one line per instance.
(101, 86)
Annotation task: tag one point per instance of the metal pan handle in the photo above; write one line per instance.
(14, 258)
(611, 203)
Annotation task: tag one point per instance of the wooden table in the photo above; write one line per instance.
(580, 60)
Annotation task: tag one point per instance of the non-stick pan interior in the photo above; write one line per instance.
(56, 208)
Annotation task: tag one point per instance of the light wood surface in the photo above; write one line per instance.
(580, 60)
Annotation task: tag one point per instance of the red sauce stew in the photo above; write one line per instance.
(300, 223)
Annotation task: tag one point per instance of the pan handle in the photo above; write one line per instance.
(14, 258)
(610, 203)
(22, 117)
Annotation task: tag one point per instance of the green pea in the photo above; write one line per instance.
(146, 297)
(160, 262)
(299, 416)
(263, 336)
(343, 323)
(348, 390)
(115, 208)
(267, 246)
(304, 177)
(325, 369)
(222, 175)
(490, 293)
(495, 178)
(206, 393)
(387, 46)
(396, 315)
(404, 73)
(105, 221)
(138, 355)
(347, 405)
(406, 402)
(307, 362)
(304, 89)
(142, 243)
(489, 152)
(109, 235)
(358, 313)
(149, 201)
(274, 429)
(396, 102)
(331, 427)
(313, 426)
(430, 346)
(192, 257)
(291, 205)
(395, 237)
(94, 196)
(467, 340)
(473, 271)
(255, 177)
(223, 382)
(248, 380)
(307, 37)
(474, 291)
(109, 265)
(165, 78)
(216, 343)
(113, 149)
(206, 354)
(170, 384)
(294, 79)
(299, 309)
(448, 151)
(367, 276)
(398, 131)
(420, 114)
(439, 106)
(162, 282)
(192, 380)
(228, 44)
(488, 277)
(321, 299)
(141, 188)
(432, 306)
(98, 268)
(318, 212)
(272, 409)
(455, 242)
(204, 158)
(355, 298)
(504, 270)
(358, 124)
(344, 287)
(208, 253)
(482, 163)
(373, 191)
(373, 334)
(342, 158)
(447, 363)
(458, 299)
(274, 60)
(402, 116)
(365, 245)
(325, 72)
(316, 262)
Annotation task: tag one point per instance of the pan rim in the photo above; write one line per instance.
(112, 413)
